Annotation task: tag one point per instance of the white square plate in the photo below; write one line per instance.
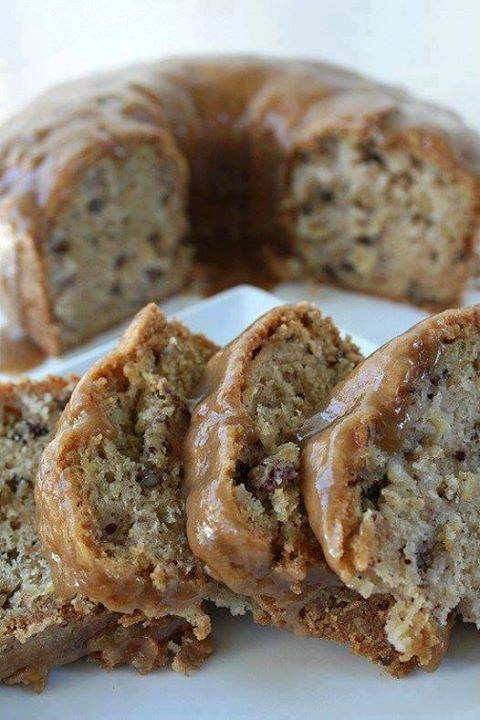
(221, 317)
(260, 673)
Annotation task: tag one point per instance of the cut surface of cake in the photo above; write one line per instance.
(245, 515)
(38, 630)
(109, 492)
(391, 482)
(374, 216)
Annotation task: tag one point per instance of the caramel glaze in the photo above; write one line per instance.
(67, 535)
(218, 531)
(373, 401)
(139, 643)
(239, 123)
(18, 353)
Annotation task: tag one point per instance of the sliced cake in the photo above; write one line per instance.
(392, 485)
(112, 518)
(242, 455)
(38, 630)
(245, 515)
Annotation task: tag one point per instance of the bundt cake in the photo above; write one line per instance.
(391, 482)
(245, 517)
(111, 513)
(38, 630)
(324, 173)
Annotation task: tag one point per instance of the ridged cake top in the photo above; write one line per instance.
(216, 111)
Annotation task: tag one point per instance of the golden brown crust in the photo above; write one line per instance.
(78, 562)
(239, 123)
(23, 290)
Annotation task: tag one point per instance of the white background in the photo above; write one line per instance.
(431, 46)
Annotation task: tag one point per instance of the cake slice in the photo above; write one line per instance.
(245, 516)
(392, 482)
(37, 629)
(111, 512)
